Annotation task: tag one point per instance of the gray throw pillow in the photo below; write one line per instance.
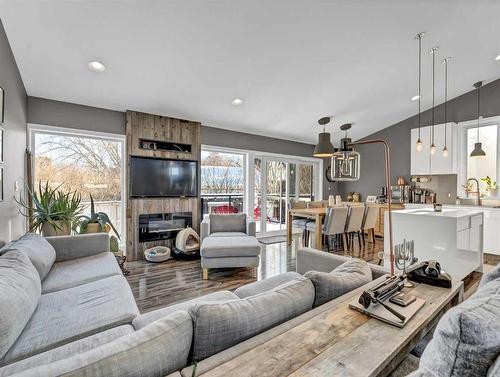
(466, 341)
(350, 275)
(228, 223)
(492, 275)
(20, 290)
(39, 251)
(220, 325)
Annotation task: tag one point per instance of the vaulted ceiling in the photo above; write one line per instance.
(291, 61)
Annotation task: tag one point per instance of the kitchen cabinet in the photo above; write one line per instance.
(491, 241)
(423, 163)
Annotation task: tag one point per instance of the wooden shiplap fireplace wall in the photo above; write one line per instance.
(158, 128)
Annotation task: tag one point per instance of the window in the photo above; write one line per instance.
(222, 181)
(483, 167)
(84, 163)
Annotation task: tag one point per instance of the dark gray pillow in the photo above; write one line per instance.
(492, 275)
(350, 275)
(39, 251)
(228, 223)
(466, 341)
(20, 291)
(220, 325)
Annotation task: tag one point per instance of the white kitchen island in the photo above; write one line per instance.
(453, 237)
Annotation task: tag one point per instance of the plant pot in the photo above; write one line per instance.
(93, 228)
(492, 192)
(48, 230)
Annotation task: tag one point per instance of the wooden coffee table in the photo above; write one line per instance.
(342, 342)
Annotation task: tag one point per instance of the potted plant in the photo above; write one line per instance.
(97, 222)
(51, 211)
(491, 185)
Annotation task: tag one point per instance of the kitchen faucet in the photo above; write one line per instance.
(477, 192)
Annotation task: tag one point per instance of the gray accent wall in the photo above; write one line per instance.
(12, 224)
(63, 114)
(398, 136)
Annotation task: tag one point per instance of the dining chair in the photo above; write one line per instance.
(333, 225)
(353, 225)
(369, 222)
(299, 222)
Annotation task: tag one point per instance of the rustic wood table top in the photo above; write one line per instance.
(342, 342)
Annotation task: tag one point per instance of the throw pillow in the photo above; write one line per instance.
(39, 251)
(492, 275)
(20, 290)
(350, 275)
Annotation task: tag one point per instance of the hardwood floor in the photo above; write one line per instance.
(156, 285)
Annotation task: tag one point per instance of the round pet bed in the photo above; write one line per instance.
(157, 254)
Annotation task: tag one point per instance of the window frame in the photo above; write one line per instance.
(462, 149)
(34, 129)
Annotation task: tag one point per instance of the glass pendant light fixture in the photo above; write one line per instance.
(445, 62)
(419, 37)
(433, 52)
(324, 148)
(478, 151)
(345, 161)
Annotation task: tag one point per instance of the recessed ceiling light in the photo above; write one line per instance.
(414, 98)
(96, 66)
(237, 102)
(498, 57)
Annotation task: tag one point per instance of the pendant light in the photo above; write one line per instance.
(445, 62)
(324, 148)
(419, 37)
(478, 151)
(433, 52)
(345, 164)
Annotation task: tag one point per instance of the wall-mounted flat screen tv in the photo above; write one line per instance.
(159, 177)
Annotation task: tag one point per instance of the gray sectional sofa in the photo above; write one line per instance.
(66, 310)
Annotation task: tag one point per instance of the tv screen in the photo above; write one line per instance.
(156, 177)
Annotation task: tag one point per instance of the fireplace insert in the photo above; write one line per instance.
(163, 226)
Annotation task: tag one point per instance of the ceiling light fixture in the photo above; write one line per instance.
(414, 98)
(96, 66)
(433, 52)
(345, 161)
(498, 57)
(237, 102)
(445, 62)
(324, 148)
(419, 37)
(478, 151)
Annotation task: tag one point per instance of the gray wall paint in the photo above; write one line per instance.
(12, 224)
(398, 136)
(63, 114)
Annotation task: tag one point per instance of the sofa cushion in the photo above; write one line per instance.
(19, 293)
(39, 251)
(154, 351)
(228, 223)
(218, 326)
(491, 275)
(350, 275)
(466, 341)
(64, 316)
(80, 271)
(221, 247)
(228, 234)
(68, 350)
(145, 319)
(266, 284)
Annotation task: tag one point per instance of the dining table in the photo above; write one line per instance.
(316, 214)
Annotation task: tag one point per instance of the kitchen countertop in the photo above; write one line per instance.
(447, 212)
(452, 206)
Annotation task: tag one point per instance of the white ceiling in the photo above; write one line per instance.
(291, 61)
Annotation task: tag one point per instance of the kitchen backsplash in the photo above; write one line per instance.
(445, 187)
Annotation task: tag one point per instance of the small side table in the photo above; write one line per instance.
(121, 262)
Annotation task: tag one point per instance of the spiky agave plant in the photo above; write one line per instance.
(100, 218)
(51, 206)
